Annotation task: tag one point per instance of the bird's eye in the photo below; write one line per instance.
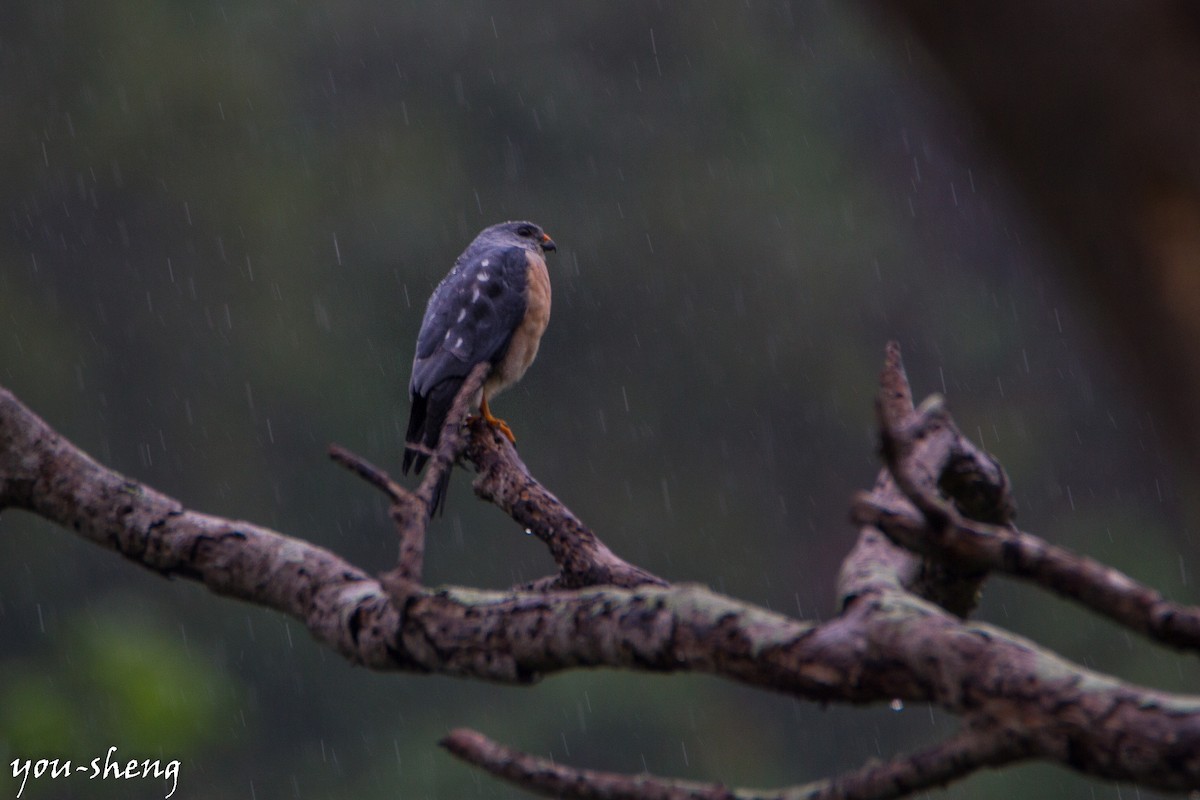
(524, 230)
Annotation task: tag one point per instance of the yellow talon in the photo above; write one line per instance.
(495, 422)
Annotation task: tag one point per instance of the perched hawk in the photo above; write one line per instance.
(492, 308)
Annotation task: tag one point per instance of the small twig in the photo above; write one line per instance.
(895, 395)
(582, 559)
(916, 473)
(368, 472)
(410, 511)
(927, 456)
(545, 777)
(957, 757)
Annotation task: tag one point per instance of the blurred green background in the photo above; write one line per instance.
(220, 227)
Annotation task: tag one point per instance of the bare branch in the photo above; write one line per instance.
(895, 402)
(368, 472)
(408, 511)
(544, 777)
(963, 754)
(978, 546)
(889, 641)
(583, 560)
(411, 511)
(946, 533)
(959, 756)
(925, 455)
(505, 481)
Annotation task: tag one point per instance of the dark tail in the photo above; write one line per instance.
(425, 423)
(415, 459)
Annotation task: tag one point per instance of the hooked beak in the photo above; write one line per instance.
(548, 244)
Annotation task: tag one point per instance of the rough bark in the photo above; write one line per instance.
(935, 524)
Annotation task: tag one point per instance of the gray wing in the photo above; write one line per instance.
(470, 317)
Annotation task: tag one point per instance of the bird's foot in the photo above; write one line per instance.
(501, 426)
(496, 423)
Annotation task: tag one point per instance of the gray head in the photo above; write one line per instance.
(519, 233)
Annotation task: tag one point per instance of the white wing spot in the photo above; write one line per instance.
(482, 277)
(458, 344)
(475, 296)
(448, 335)
(485, 263)
(461, 315)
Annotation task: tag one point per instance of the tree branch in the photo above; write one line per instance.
(582, 559)
(900, 633)
(411, 511)
(944, 531)
(544, 777)
(962, 754)
(924, 455)
(978, 546)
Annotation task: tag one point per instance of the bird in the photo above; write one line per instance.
(493, 308)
